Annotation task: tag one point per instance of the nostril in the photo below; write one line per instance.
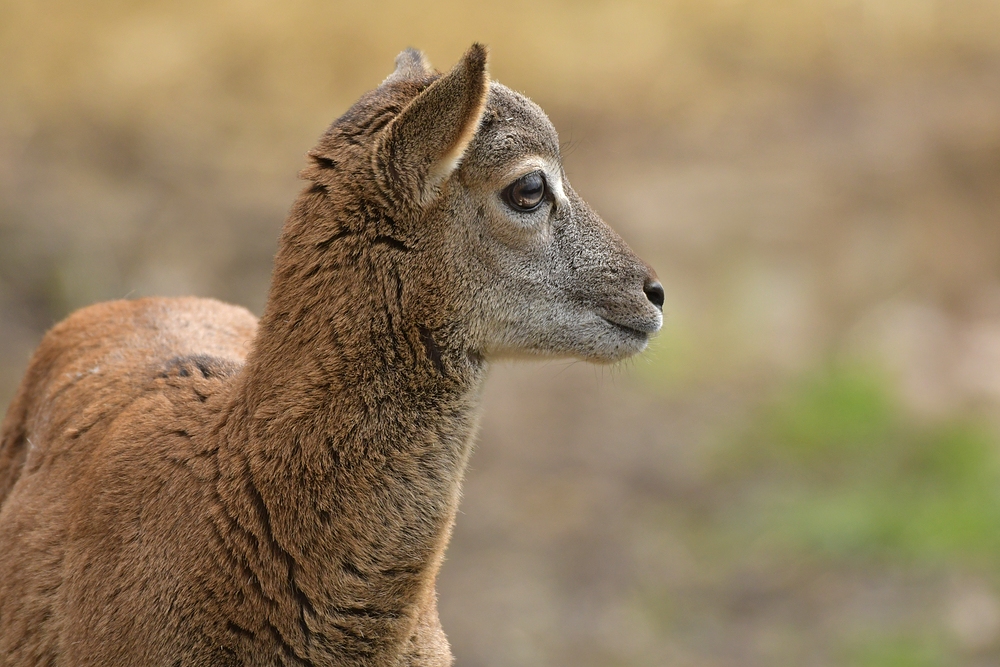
(654, 292)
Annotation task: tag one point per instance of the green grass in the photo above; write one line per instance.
(902, 651)
(837, 468)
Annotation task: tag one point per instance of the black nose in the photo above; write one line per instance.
(654, 292)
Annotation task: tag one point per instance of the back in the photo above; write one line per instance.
(101, 379)
(97, 360)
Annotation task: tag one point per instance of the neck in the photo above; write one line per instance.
(345, 443)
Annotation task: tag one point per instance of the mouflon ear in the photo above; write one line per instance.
(410, 64)
(417, 152)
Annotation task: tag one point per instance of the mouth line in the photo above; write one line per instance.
(630, 331)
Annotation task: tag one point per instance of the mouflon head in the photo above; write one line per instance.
(454, 186)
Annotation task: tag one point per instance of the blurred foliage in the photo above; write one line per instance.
(826, 478)
(130, 58)
(906, 651)
(851, 474)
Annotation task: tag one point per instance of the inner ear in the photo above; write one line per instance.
(423, 145)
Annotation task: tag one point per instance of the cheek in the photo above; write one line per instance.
(501, 254)
(509, 262)
(525, 247)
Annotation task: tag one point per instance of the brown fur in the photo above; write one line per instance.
(182, 486)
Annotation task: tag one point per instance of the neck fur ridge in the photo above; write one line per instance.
(344, 444)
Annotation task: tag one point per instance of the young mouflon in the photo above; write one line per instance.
(181, 484)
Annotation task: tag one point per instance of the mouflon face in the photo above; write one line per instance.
(459, 186)
(555, 279)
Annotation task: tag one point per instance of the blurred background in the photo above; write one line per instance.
(805, 467)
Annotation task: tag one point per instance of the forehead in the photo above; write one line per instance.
(512, 129)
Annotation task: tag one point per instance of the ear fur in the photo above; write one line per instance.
(418, 151)
(410, 64)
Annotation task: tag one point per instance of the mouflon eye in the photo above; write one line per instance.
(526, 193)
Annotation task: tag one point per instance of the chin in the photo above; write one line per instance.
(609, 354)
(612, 344)
(598, 341)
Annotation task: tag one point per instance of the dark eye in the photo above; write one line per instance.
(526, 193)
